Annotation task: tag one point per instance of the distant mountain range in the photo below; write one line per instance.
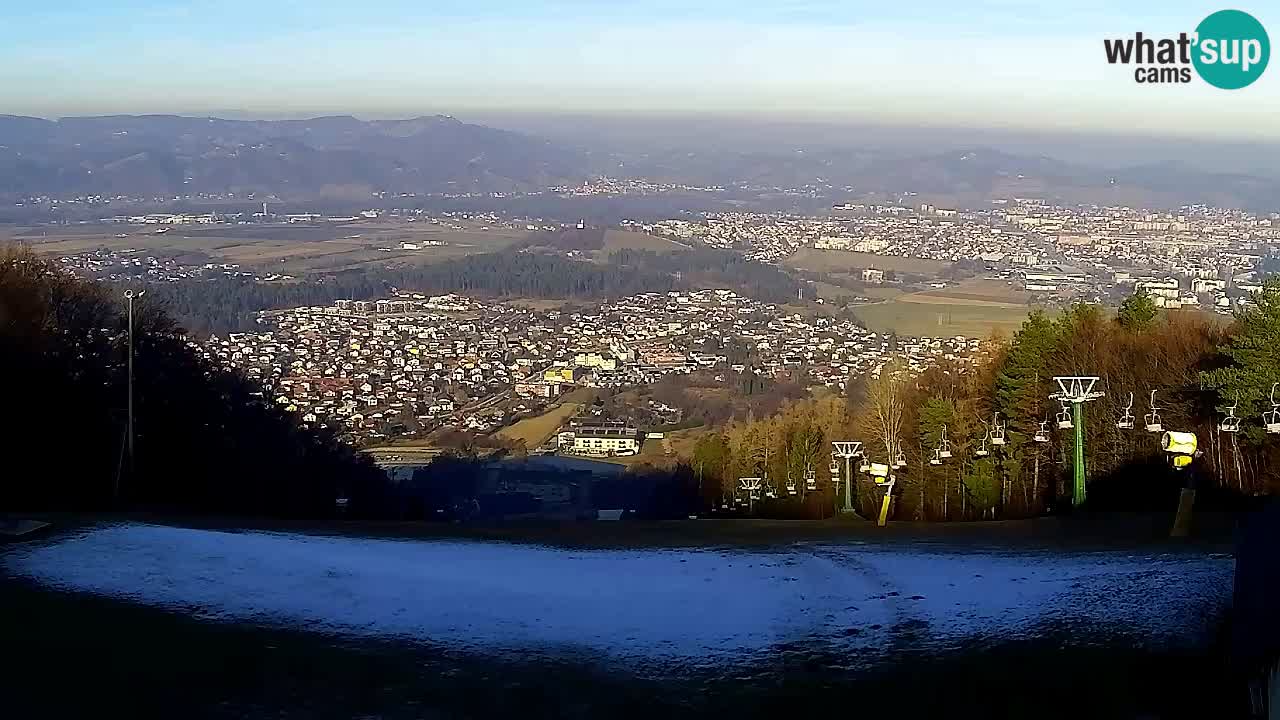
(167, 154)
(344, 157)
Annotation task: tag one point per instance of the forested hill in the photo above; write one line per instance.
(229, 304)
(206, 440)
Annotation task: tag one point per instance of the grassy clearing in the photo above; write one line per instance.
(954, 318)
(843, 260)
(977, 291)
(537, 430)
(626, 239)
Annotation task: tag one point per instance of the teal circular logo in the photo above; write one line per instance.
(1232, 49)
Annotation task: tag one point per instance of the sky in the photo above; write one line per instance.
(980, 63)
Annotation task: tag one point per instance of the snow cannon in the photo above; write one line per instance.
(1182, 449)
(1179, 443)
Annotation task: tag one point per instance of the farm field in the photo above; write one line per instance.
(974, 308)
(628, 240)
(291, 249)
(935, 320)
(974, 292)
(842, 260)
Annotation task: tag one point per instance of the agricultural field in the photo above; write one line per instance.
(975, 308)
(628, 240)
(842, 261)
(288, 249)
(975, 292)
(933, 320)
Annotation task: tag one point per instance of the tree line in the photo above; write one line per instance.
(224, 305)
(706, 267)
(1198, 367)
(227, 304)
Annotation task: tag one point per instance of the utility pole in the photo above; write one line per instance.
(128, 296)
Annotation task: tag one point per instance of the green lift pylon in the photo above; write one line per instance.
(848, 450)
(1077, 390)
(1078, 494)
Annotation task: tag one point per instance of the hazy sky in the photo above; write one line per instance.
(939, 62)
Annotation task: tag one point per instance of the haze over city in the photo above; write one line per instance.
(996, 63)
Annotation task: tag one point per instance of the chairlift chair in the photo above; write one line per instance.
(1042, 435)
(1153, 421)
(810, 481)
(936, 459)
(1271, 418)
(865, 466)
(1126, 421)
(944, 446)
(1231, 423)
(997, 431)
(1064, 419)
(834, 468)
(900, 461)
(982, 451)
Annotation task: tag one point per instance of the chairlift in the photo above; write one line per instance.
(982, 451)
(1042, 435)
(1064, 418)
(1153, 421)
(810, 481)
(791, 486)
(944, 446)
(936, 459)
(1271, 418)
(1231, 423)
(834, 468)
(865, 466)
(1126, 421)
(900, 461)
(997, 430)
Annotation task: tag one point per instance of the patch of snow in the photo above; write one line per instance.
(646, 605)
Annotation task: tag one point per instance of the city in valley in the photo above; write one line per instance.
(411, 369)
